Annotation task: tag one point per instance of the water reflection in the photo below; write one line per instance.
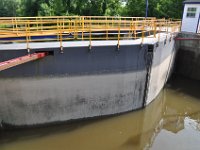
(170, 122)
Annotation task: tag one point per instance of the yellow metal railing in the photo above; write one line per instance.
(62, 28)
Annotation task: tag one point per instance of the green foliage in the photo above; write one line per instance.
(45, 10)
(157, 8)
(8, 7)
(29, 7)
(135, 8)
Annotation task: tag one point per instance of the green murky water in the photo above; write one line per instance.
(172, 121)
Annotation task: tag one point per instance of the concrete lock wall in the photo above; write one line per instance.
(80, 84)
(76, 84)
(162, 66)
(188, 57)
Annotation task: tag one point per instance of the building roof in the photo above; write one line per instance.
(192, 2)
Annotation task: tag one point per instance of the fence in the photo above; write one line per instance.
(63, 28)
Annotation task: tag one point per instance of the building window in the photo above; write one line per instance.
(191, 12)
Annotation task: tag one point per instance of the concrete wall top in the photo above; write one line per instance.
(40, 45)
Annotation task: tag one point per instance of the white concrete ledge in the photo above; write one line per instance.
(40, 45)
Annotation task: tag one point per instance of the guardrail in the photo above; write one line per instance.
(63, 28)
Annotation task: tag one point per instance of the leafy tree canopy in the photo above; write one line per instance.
(157, 8)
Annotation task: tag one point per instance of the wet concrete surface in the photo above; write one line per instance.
(172, 121)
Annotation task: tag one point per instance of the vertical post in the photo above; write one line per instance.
(61, 38)
(75, 29)
(112, 23)
(130, 29)
(149, 27)
(27, 36)
(13, 25)
(167, 26)
(61, 47)
(37, 23)
(63, 24)
(147, 4)
(16, 25)
(82, 27)
(58, 32)
(106, 28)
(143, 22)
(135, 29)
(41, 24)
(132, 26)
(167, 29)
(119, 26)
(159, 30)
(90, 36)
(155, 28)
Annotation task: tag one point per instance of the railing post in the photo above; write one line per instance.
(82, 27)
(119, 27)
(27, 36)
(106, 28)
(13, 25)
(167, 29)
(112, 23)
(61, 38)
(149, 27)
(130, 29)
(41, 24)
(16, 25)
(155, 28)
(90, 35)
(37, 23)
(63, 23)
(135, 29)
(167, 26)
(76, 22)
(60, 35)
(159, 27)
(58, 32)
(143, 23)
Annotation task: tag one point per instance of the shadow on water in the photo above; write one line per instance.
(174, 117)
(185, 85)
(18, 134)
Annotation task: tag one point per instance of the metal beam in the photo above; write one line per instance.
(21, 60)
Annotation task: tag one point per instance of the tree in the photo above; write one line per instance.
(113, 8)
(45, 10)
(135, 8)
(57, 6)
(8, 8)
(157, 8)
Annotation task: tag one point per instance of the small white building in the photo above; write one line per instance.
(191, 16)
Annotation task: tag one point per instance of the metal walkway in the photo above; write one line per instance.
(65, 28)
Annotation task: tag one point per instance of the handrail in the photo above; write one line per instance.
(62, 28)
